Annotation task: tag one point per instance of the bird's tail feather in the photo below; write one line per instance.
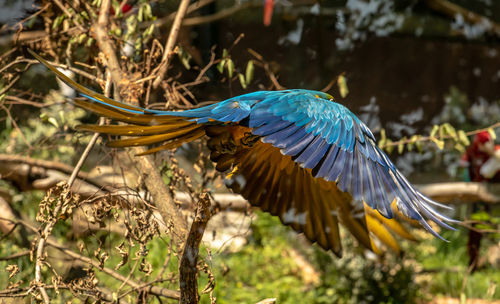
(94, 96)
(145, 127)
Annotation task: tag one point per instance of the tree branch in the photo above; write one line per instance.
(170, 18)
(219, 15)
(155, 290)
(172, 38)
(106, 46)
(145, 164)
(188, 269)
(451, 10)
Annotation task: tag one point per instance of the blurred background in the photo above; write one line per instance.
(407, 68)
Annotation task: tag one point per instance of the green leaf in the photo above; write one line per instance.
(434, 130)
(147, 11)
(57, 21)
(140, 14)
(409, 146)
(90, 41)
(492, 133)
(480, 216)
(224, 53)
(439, 143)
(413, 141)
(131, 23)
(242, 80)
(388, 146)
(85, 15)
(43, 116)
(342, 84)
(249, 72)
(53, 122)
(230, 68)
(81, 38)
(463, 137)
(460, 148)
(184, 57)
(442, 132)
(116, 8)
(420, 146)
(383, 139)
(401, 145)
(62, 117)
(149, 31)
(450, 130)
(220, 66)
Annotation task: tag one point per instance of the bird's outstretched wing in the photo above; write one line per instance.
(294, 153)
(327, 138)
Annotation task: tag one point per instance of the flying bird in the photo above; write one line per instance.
(294, 153)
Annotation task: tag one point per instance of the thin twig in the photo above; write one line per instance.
(452, 10)
(172, 39)
(8, 158)
(69, 14)
(15, 255)
(170, 18)
(14, 123)
(7, 87)
(96, 293)
(59, 65)
(145, 164)
(219, 15)
(93, 140)
(57, 209)
(15, 100)
(447, 136)
(156, 290)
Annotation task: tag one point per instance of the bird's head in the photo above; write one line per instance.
(323, 95)
(484, 143)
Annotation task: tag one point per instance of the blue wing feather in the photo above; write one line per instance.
(326, 137)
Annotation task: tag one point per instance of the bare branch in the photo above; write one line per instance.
(219, 15)
(172, 38)
(155, 290)
(447, 136)
(170, 18)
(106, 46)
(188, 269)
(451, 10)
(145, 164)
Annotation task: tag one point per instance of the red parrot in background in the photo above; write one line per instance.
(482, 160)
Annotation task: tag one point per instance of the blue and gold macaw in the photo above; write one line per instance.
(294, 153)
